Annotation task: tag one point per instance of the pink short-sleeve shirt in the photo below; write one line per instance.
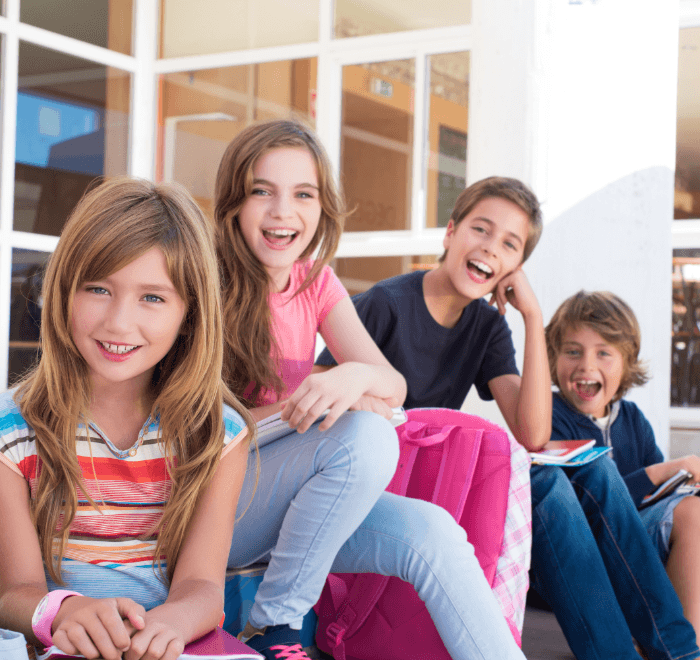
(297, 319)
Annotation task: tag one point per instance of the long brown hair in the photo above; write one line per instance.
(112, 225)
(250, 354)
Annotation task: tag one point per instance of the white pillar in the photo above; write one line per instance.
(578, 99)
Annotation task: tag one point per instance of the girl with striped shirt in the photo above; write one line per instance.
(122, 453)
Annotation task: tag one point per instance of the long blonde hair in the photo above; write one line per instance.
(112, 225)
(250, 354)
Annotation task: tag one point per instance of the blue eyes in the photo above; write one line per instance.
(97, 289)
(482, 230)
(101, 291)
(261, 192)
(576, 354)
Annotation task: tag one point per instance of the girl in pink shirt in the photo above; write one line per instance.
(320, 503)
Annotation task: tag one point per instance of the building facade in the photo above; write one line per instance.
(593, 103)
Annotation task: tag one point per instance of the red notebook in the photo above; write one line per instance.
(216, 645)
(557, 452)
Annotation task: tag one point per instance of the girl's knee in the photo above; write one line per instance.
(433, 529)
(371, 443)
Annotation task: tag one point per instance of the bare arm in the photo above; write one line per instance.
(362, 371)
(23, 585)
(22, 582)
(526, 403)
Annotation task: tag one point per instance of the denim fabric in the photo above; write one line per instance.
(321, 495)
(594, 563)
(422, 544)
(314, 491)
(658, 520)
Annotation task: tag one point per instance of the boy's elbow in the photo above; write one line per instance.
(534, 439)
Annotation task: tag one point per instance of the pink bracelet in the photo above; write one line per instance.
(46, 612)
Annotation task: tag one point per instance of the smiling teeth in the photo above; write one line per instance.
(117, 349)
(280, 232)
(481, 266)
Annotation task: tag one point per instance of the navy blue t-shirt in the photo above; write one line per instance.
(439, 364)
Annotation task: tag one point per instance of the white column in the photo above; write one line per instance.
(578, 99)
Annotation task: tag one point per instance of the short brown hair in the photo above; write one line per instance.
(613, 319)
(512, 190)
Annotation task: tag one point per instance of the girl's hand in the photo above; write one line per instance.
(335, 390)
(515, 289)
(373, 404)
(157, 641)
(95, 627)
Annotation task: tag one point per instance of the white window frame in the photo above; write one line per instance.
(142, 118)
(686, 233)
(332, 54)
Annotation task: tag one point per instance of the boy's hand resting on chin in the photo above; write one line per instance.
(515, 289)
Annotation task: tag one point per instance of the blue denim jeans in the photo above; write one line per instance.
(320, 505)
(594, 563)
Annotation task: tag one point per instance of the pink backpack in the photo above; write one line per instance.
(460, 462)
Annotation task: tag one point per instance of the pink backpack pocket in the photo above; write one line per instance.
(455, 460)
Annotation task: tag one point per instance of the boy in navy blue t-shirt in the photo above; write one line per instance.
(437, 330)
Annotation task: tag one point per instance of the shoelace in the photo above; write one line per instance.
(295, 652)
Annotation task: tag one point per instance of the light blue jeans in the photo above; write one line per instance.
(320, 506)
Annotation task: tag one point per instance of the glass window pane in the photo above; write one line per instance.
(355, 18)
(687, 197)
(377, 144)
(72, 126)
(202, 111)
(685, 340)
(361, 273)
(25, 310)
(447, 135)
(218, 26)
(105, 23)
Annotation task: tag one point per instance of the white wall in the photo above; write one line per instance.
(578, 99)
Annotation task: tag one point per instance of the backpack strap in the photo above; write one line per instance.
(450, 492)
(361, 598)
(459, 460)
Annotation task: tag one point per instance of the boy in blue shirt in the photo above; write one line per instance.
(437, 330)
(593, 343)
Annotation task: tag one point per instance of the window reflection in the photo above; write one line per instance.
(72, 126)
(447, 135)
(361, 273)
(355, 18)
(202, 111)
(377, 144)
(218, 27)
(105, 23)
(685, 357)
(687, 194)
(25, 311)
